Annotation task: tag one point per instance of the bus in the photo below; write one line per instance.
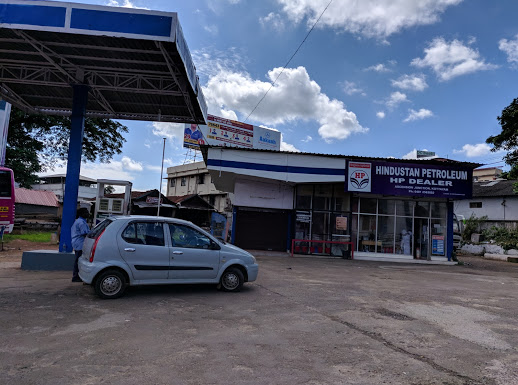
(6, 200)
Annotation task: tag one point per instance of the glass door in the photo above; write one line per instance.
(421, 238)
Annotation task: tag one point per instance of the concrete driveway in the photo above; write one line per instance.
(305, 321)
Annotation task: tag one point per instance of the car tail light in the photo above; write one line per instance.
(95, 246)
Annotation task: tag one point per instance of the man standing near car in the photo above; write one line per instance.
(79, 230)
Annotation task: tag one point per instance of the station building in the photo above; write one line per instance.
(386, 208)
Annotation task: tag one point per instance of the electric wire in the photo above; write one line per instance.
(286, 65)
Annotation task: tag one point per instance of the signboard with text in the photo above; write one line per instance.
(230, 133)
(409, 179)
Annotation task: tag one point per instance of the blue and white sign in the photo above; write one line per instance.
(410, 179)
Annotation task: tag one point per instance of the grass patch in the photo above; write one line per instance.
(31, 237)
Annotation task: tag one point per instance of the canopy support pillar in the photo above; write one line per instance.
(75, 148)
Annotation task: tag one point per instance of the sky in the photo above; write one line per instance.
(374, 78)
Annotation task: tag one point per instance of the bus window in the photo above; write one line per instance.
(6, 200)
(5, 184)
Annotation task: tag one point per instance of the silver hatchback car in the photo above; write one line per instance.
(139, 250)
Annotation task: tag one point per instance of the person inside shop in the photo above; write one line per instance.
(79, 231)
(406, 236)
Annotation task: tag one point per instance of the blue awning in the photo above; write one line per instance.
(136, 62)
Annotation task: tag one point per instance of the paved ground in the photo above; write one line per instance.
(305, 321)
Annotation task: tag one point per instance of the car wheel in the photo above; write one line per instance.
(110, 284)
(232, 279)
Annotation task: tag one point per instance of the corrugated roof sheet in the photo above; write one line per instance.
(435, 161)
(499, 188)
(36, 197)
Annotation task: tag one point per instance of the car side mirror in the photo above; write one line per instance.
(214, 246)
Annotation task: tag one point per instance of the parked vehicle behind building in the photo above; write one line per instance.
(458, 227)
(141, 250)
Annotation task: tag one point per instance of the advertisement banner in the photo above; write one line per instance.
(438, 244)
(230, 133)
(409, 179)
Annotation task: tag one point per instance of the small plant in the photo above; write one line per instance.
(471, 226)
(506, 238)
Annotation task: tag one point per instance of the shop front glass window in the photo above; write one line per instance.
(404, 236)
(322, 198)
(422, 209)
(404, 208)
(368, 205)
(340, 199)
(304, 194)
(354, 231)
(438, 209)
(367, 233)
(320, 226)
(386, 206)
(386, 234)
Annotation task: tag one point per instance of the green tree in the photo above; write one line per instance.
(36, 142)
(109, 190)
(508, 139)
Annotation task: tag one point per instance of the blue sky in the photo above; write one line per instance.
(374, 78)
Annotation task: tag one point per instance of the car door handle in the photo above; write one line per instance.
(177, 252)
(129, 249)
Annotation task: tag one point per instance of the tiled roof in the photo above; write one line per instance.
(180, 198)
(496, 188)
(36, 197)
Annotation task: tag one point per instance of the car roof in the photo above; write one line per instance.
(150, 218)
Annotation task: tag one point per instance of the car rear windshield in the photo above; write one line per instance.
(99, 228)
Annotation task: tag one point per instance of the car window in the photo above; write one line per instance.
(185, 236)
(144, 233)
(99, 228)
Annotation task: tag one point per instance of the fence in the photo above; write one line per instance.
(325, 247)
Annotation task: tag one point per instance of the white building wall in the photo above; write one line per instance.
(496, 209)
(247, 161)
(275, 195)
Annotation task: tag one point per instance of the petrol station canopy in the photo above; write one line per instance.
(136, 62)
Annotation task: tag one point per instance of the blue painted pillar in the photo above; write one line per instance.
(449, 231)
(75, 148)
(233, 235)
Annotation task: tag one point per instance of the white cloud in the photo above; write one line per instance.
(124, 4)
(308, 139)
(380, 114)
(273, 20)
(288, 147)
(451, 59)
(130, 164)
(395, 99)
(209, 61)
(211, 28)
(218, 6)
(370, 18)
(411, 155)
(378, 68)
(411, 82)
(474, 150)
(423, 113)
(350, 88)
(294, 97)
(172, 131)
(510, 47)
